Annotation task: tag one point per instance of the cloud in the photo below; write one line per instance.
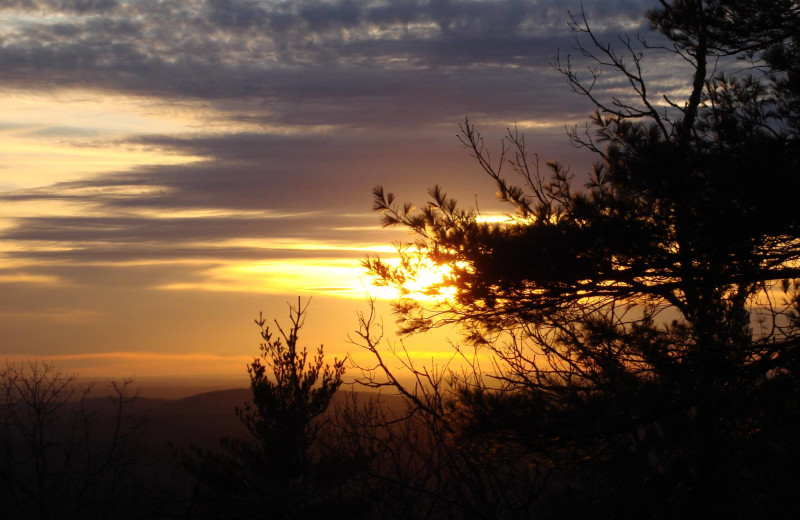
(63, 6)
(180, 232)
(264, 188)
(309, 62)
(298, 109)
(249, 171)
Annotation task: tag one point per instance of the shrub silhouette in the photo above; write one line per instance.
(62, 454)
(277, 468)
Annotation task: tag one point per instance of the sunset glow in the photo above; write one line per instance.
(169, 169)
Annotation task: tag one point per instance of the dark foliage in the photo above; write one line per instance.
(279, 469)
(64, 455)
(419, 465)
(646, 328)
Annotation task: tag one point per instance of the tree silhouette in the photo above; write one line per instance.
(419, 464)
(275, 469)
(62, 454)
(646, 328)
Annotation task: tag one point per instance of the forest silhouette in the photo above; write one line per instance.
(643, 331)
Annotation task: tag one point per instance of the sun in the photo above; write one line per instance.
(429, 281)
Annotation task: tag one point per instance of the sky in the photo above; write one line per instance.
(169, 169)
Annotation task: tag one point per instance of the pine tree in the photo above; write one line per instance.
(646, 327)
(275, 471)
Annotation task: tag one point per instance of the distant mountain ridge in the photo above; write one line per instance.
(201, 419)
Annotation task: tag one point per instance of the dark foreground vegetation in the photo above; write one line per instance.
(644, 333)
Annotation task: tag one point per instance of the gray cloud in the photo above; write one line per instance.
(361, 92)
(387, 74)
(102, 253)
(286, 173)
(317, 186)
(328, 55)
(184, 234)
